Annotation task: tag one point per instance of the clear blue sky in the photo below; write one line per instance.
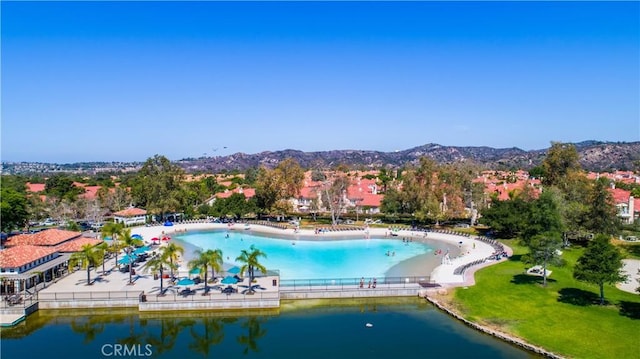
(87, 81)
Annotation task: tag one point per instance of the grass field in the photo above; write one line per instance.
(563, 317)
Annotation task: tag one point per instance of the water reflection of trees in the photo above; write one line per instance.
(90, 327)
(198, 332)
(213, 334)
(170, 329)
(253, 325)
(134, 338)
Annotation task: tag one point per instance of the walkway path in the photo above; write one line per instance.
(631, 267)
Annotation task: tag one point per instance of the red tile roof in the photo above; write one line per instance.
(130, 212)
(90, 192)
(76, 245)
(620, 195)
(371, 200)
(49, 237)
(308, 192)
(20, 255)
(248, 192)
(35, 187)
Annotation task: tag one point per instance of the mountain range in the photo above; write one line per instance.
(594, 156)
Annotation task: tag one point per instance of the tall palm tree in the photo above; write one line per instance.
(172, 251)
(158, 264)
(216, 261)
(251, 263)
(88, 256)
(204, 260)
(113, 230)
(104, 248)
(129, 244)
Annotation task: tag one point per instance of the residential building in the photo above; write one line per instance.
(131, 216)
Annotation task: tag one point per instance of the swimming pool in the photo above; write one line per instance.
(320, 258)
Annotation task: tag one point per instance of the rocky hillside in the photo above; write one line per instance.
(594, 156)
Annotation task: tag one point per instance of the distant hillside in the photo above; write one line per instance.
(594, 156)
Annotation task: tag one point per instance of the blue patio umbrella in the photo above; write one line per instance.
(141, 250)
(195, 271)
(127, 259)
(185, 282)
(168, 224)
(229, 280)
(234, 270)
(136, 236)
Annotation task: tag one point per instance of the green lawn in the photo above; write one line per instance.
(563, 317)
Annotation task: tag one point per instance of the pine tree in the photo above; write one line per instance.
(600, 263)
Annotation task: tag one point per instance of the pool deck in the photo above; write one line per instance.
(111, 288)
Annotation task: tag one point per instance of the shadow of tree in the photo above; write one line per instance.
(529, 279)
(579, 297)
(516, 258)
(630, 309)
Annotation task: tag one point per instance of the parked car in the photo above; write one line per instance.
(49, 222)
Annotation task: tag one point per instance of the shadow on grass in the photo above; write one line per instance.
(515, 257)
(579, 297)
(529, 279)
(630, 309)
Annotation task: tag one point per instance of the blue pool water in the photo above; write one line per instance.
(314, 259)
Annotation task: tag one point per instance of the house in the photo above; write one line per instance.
(247, 192)
(362, 194)
(131, 216)
(627, 209)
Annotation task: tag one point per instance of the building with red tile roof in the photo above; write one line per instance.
(247, 192)
(35, 187)
(627, 206)
(75, 245)
(19, 259)
(628, 177)
(49, 237)
(131, 216)
(504, 184)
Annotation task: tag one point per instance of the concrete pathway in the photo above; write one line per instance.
(631, 267)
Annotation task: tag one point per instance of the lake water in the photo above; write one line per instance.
(402, 328)
(319, 258)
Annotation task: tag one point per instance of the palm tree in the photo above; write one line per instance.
(88, 256)
(172, 251)
(204, 260)
(158, 264)
(104, 248)
(251, 263)
(216, 261)
(129, 243)
(113, 230)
